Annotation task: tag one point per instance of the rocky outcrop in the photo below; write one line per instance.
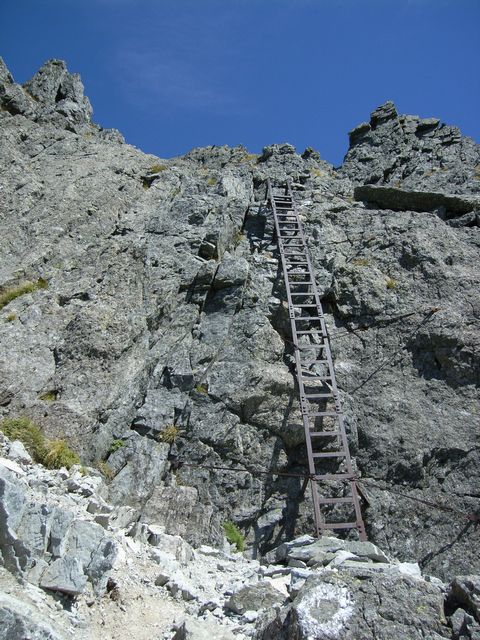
(447, 206)
(408, 151)
(43, 542)
(52, 96)
(158, 342)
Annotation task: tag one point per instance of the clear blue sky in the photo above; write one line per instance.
(175, 74)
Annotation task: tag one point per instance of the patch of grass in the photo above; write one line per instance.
(318, 173)
(361, 262)
(202, 387)
(105, 469)
(60, 455)
(28, 433)
(238, 237)
(51, 453)
(11, 317)
(251, 157)
(212, 182)
(179, 481)
(169, 434)
(7, 295)
(157, 168)
(116, 445)
(49, 396)
(234, 535)
(391, 283)
(477, 172)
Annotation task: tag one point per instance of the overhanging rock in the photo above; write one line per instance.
(407, 200)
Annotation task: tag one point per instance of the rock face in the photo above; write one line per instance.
(44, 543)
(408, 152)
(158, 344)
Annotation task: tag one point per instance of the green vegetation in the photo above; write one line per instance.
(156, 168)
(251, 158)
(51, 453)
(169, 434)
(234, 535)
(318, 173)
(7, 295)
(11, 317)
(60, 455)
(116, 445)
(105, 469)
(202, 387)
(212, 182)
(28, 432)
(391, 283)
(49, 396)
(238, 237)
(477, 172)
(361, 262)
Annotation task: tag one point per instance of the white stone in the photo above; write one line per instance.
(340, 558)
(411, 569)
(250, 616)
(312, 602)
(18, 453)
(13, 466)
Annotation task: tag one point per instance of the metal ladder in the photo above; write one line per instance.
(330, 465)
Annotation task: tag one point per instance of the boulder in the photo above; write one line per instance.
(408, 200)
(65, 575)
(341, 606)
(19, 621)
(254, 597)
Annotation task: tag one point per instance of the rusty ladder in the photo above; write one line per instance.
(330, 464)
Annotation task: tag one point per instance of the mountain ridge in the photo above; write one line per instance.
(164, 309)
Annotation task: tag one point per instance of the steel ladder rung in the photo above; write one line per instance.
(347, 500)
(322, 414)
(308, 346)
(319, 395)
(339, 525)
(292, 253)
(324, 434)
(330, 454)
(313, 362)
(315, 332)
(332, 476)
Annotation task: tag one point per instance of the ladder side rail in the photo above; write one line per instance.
(333, 380)
(307, 270)
(318, 518)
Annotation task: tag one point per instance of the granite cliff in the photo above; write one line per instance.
(152, 335)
